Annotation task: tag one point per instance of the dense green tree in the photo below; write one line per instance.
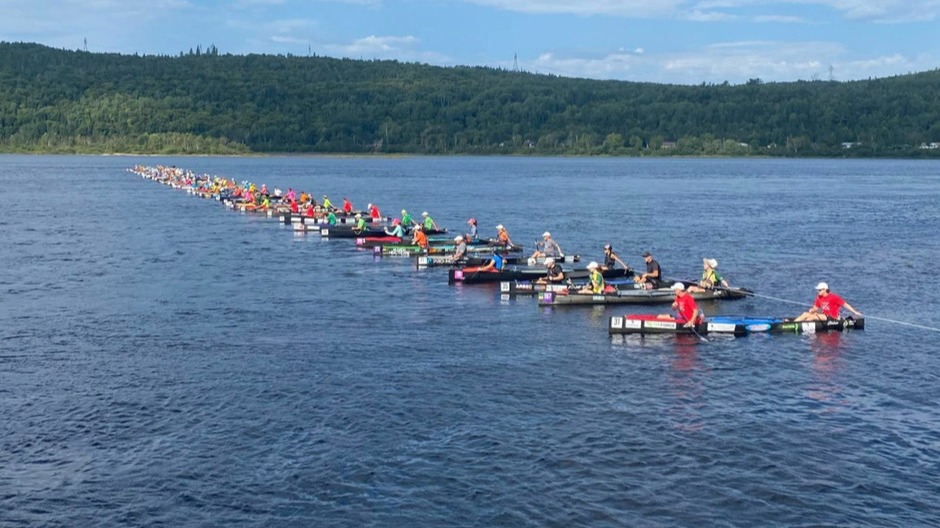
(206, 102)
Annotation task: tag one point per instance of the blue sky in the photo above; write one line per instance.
(669, 41)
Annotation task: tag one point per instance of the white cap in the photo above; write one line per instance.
(369, 206)
(358, 215)
(822, 286)
(458, 239)
(549, 261)
(424, 213)
(500, 226)
(403, 211)
(677, 286)
(546, 234)
(592, 265)
(713, 263)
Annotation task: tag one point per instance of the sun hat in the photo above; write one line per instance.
(592, 265)
(713, 263)
(458, 238)
(500, 227)
(546, 234)
(424, 213)
(472, 221)
(822, 286)
(677, 286)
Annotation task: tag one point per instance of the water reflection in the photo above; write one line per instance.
(826, 365)
(686, 385)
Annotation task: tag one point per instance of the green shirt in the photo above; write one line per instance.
(428, 223)
(406, 219)
(331, 218)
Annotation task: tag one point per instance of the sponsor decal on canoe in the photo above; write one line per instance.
(809, 328)
(504, 286)
(598, 298)
(458, 275)
(721, 327)
(616, 322)
(663, 325)
(758, 327)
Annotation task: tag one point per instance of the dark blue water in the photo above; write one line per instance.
(167, 362)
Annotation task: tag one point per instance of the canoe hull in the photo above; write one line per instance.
(651, 324)
(631, 296)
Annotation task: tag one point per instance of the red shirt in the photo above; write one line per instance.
(686, 307)
(294, 208)
(374, 212)
(829, 304)
(310, 210)
(347, 206)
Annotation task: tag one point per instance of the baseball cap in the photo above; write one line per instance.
(822, 286)
(677, 286)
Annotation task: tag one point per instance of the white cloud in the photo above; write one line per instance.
(735, 62)
(712, 10)
(402, 48)
(780, 19)
(629, 8)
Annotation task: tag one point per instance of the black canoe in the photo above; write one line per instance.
(572, 297)
(510, 273)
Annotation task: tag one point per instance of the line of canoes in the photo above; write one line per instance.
(518, 276)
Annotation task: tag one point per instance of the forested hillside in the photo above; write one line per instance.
(204, 102)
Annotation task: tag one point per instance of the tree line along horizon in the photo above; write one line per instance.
(204, 102)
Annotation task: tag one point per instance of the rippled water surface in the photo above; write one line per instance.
(167, 362)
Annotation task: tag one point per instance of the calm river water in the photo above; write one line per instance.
(167, 362)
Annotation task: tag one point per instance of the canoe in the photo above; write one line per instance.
(571, 296)
(439, 249)
(652, 324)
(436, 240)
(293, 218)
(524, 287)
(339, 231)
(428, 261)
(473, 275)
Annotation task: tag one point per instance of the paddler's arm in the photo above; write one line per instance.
(851, 309)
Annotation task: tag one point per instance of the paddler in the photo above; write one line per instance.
(294, 207)
(553, 272)
(406, 220)
(828, 306)
(611, 258)
(596, 284)
(420, 239)
(502, 237)
(460, 248)
(310, 211)
(327, 204)
(550, 248)
(654, 274)
(495, 263)
(347, 206)
(374, 211)
(472, 234)
(396, 231)
(710, 277)
(687, 312)
(331, 218)
(360, 224)
(429, 222)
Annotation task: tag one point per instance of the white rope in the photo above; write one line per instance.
(932, 329)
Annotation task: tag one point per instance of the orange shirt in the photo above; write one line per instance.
(421, 239)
